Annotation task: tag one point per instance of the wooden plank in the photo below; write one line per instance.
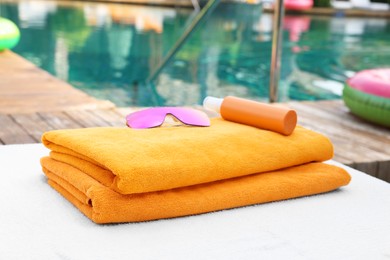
(86, 118)
(26, 88)
(124, 111)
(384, 171)
(338, 114)
(59, 120)
(343, 116)
(12, 133)
(347, 135)
(346, 150)
(33, 124)
(111, 116)
(371, 168)
(335, 128)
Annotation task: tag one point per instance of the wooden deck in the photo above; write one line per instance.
(32, 102)
(357, 143)
(25, 88)
(28, 127)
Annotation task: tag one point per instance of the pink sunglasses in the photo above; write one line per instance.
(153, 117)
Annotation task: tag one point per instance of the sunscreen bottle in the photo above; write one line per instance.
(265, 116)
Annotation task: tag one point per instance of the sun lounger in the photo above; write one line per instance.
(38, 223)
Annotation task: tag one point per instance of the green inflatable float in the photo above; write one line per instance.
(9, 34)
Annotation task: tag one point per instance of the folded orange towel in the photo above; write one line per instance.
(103, 205)
(138, 161)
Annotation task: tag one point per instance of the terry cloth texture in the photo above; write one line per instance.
(137, 161)
(126, 175)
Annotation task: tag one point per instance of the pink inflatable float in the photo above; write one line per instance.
(375, 82)
(367, 95)
(298, 4)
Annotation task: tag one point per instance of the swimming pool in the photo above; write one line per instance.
(108, 51)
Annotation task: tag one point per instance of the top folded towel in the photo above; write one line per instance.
(138, 161)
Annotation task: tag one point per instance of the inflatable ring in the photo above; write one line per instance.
(367, 95)
(9, 34)
(298, 4)
(375, 82)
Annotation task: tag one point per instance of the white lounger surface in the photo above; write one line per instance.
(38, 223)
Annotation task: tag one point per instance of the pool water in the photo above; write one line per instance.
(109, 50)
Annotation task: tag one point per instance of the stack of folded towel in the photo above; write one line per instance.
(129, 175)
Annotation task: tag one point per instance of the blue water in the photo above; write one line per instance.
(109, 50)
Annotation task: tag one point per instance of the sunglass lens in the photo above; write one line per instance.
(145, 119)
(191, 116)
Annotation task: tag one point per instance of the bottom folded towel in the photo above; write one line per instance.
(103, 205)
